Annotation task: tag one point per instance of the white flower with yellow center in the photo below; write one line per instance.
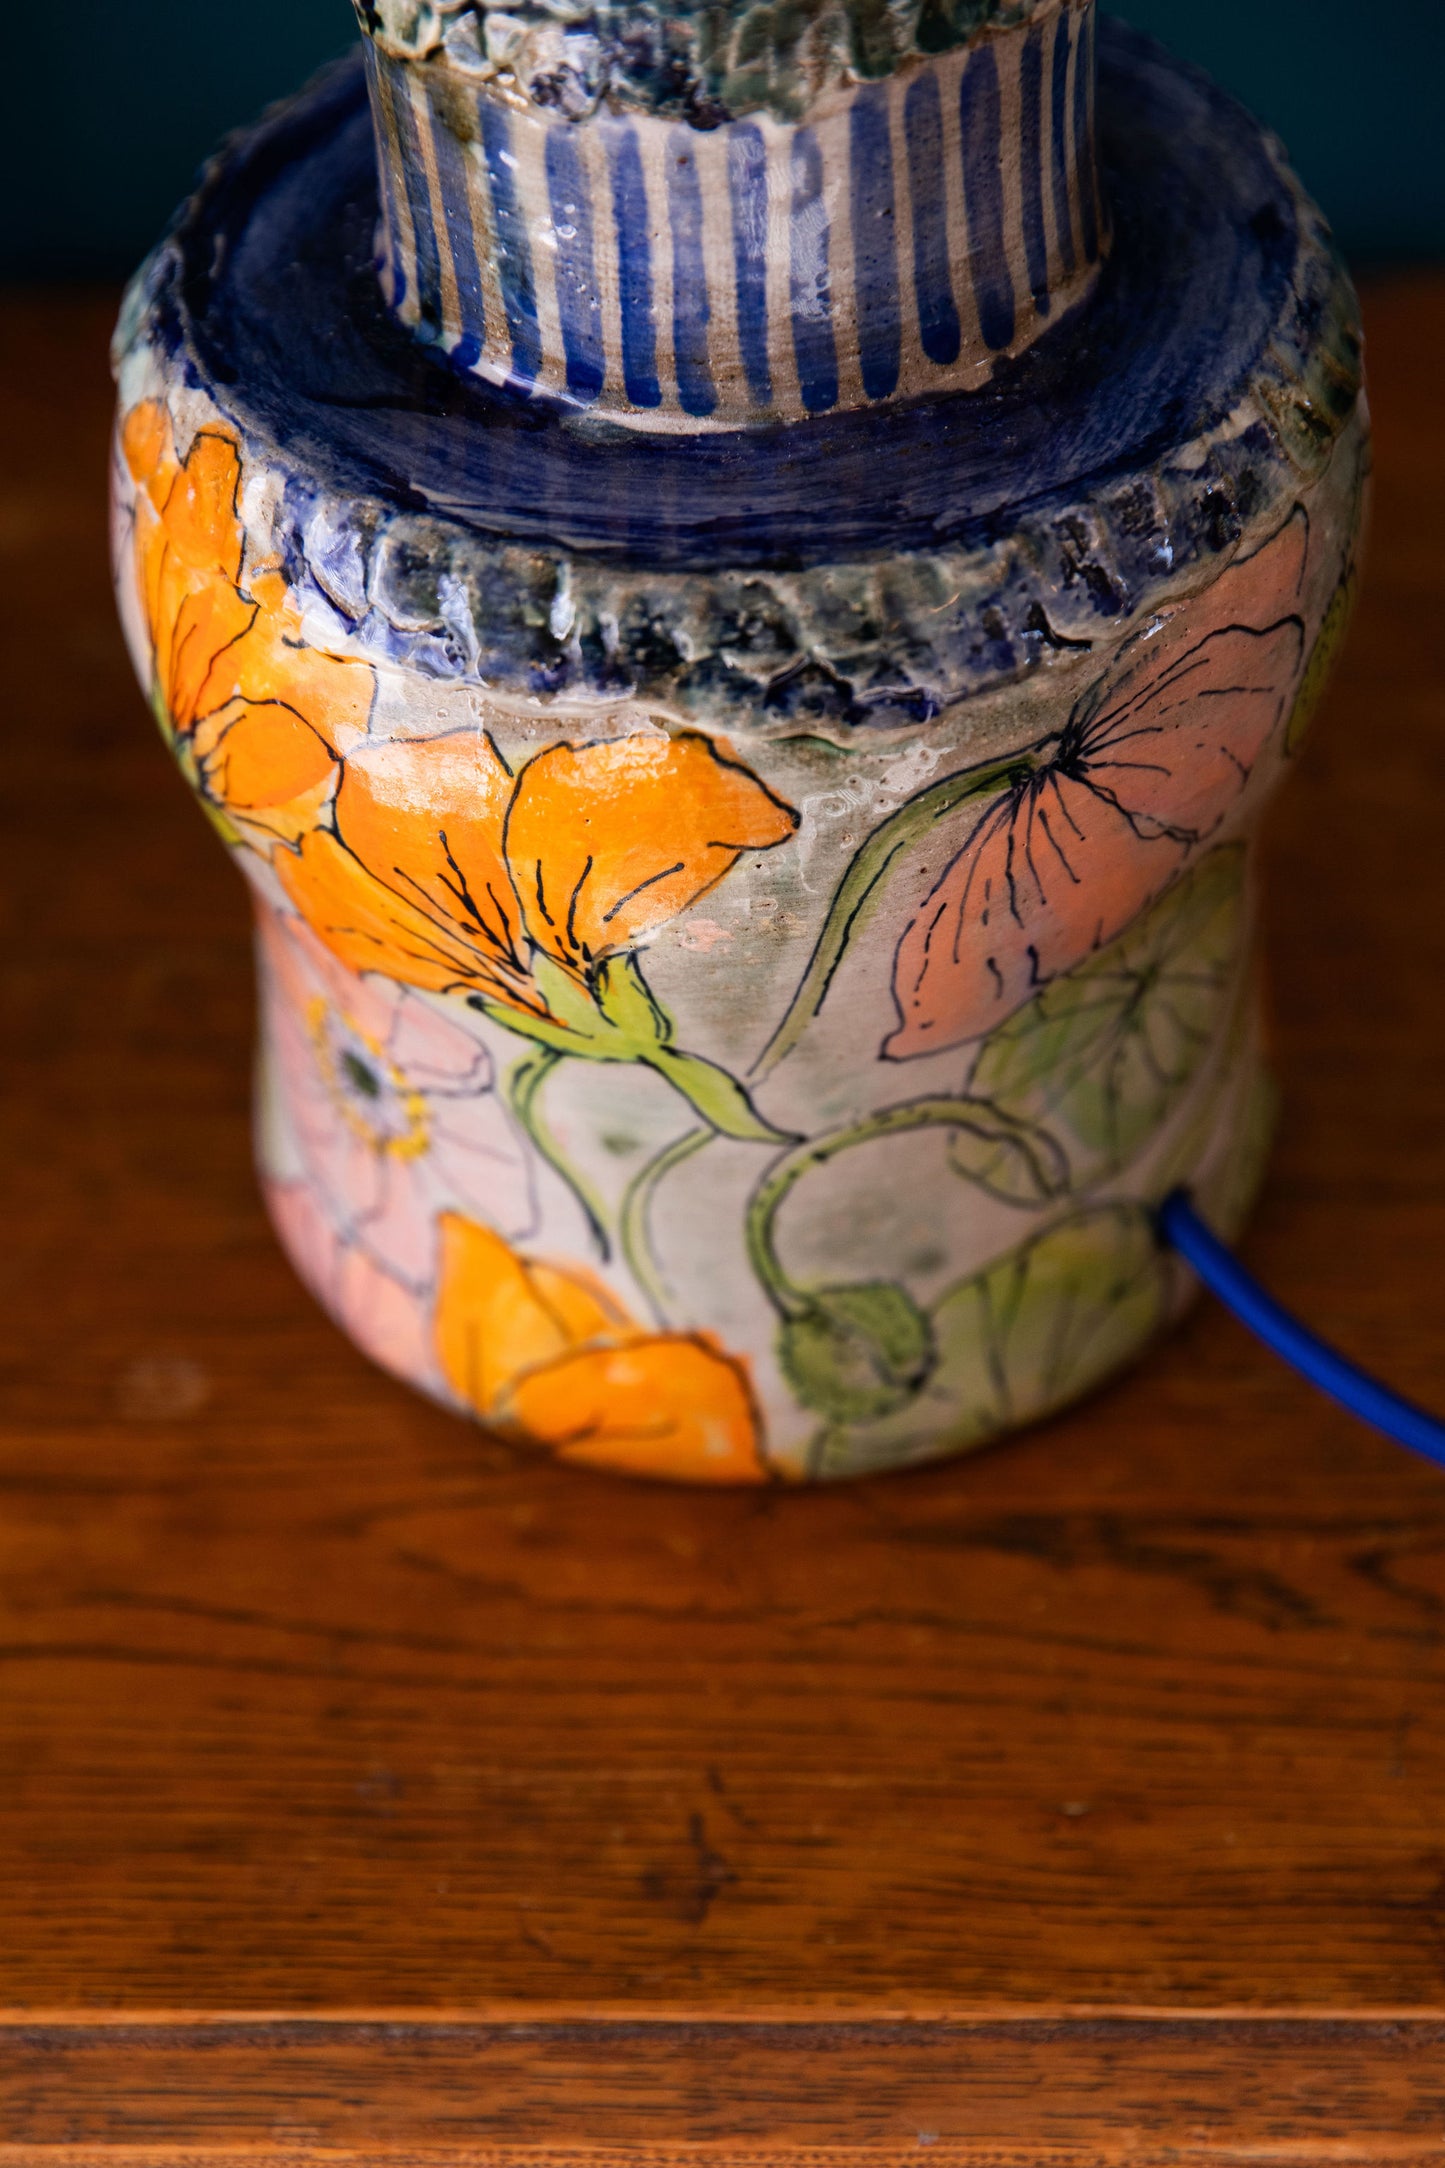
(390, 1105)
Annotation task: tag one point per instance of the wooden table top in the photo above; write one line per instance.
(371, 1791)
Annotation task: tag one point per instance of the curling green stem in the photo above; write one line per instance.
(524, 1091)
(634, 1229)
(977, 1117)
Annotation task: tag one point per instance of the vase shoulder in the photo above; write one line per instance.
(889, 562)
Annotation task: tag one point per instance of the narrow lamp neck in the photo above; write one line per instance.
(653, 254)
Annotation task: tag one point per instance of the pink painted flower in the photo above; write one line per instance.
(1100, 819)
(391, 1105)
(387, 1321)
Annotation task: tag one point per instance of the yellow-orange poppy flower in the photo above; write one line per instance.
(256, 716)
(547, 1352)
(448, 872)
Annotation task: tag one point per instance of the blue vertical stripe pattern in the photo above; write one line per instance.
(868, 317)
(938, 326)
(1059, 146)
(456, 202)
(579, 303)
(418, 197)
(632, 224)
(748, 194)
(875, 241)
(514, 251)
(395, 267)
(980, 124)
(810, 285)
(1084, 138)
(1031, 165)
(691, 308)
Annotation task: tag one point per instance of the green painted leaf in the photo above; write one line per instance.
(861, 886)
(1014, 1160)
(857, 1352)
(618, 1020)
(571, 1002)
(1103, 1056)
(1058, 1315)
(1222, 1151)
(717, 1097)
(1039, 1329)
(626, 1000)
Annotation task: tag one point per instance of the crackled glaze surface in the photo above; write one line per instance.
(742, 952)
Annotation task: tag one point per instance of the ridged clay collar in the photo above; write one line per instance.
(857, 571)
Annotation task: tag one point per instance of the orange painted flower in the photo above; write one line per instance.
(447, 871)
(527, 893)
(549, 1353)
(255, 716)
(1101, 819)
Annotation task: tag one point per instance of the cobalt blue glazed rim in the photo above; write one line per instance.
(269, 280)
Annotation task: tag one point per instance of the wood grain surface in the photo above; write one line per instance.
(371, 1790)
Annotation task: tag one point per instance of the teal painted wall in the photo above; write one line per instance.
(147, 88)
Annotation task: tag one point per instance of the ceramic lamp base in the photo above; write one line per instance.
(751, 924)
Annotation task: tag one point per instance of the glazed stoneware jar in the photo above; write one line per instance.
(736, 584)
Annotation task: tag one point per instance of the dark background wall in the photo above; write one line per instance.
(105, 124)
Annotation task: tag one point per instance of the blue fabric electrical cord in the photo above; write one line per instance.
(1183, 1230)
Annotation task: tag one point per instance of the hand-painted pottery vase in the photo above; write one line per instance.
(737, 582)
